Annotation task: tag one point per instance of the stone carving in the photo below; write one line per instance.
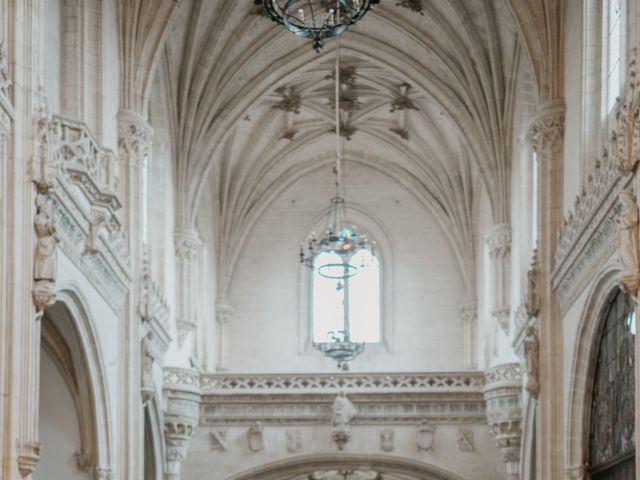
(372, 382)
(626, 136)
(499, 244)
(46, 163)
(187, 245)
(531, 355)
(425, 436)
(134, 136)
(83, 461)
(290, 100)
(218, 440)
(153, 306)
(294, 441)
(256, 438)
(387, 440)
(546, 132)
(533, 301)
(402, 101)
(148, 359)
(224, 316)
(103, 473)
(45, 260)
(628, 240)
(98, 219)
(465, 440)
(413, 5)
(5, 80)
(343, 412)
(28, 457)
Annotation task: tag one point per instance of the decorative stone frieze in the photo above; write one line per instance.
(181, 418)
(187, 245)
(28, 457)
(502, 394)
(499, 244)
(224, 316)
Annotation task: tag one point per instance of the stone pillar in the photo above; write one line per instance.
(499, 243)
(182, 391)
(134, 143)
(502, 394)
(469, 317)
(187, 244)
(224, 316)
(546, 134)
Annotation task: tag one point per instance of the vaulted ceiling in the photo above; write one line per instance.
(428, 95)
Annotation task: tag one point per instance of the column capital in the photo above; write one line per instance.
(547, 127)
(499, 241)
(134, 133)
(187, 243)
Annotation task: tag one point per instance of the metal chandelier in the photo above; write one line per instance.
(317, 19)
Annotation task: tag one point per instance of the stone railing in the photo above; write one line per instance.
(93, 167)
(353, 382)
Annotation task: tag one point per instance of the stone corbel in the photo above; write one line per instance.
(182, 415)
(499, 243)
(28, 457)
(502, 394)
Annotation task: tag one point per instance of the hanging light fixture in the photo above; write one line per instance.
(342, 241)
(317, 19)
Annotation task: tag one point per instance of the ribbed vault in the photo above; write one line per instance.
(428, 99)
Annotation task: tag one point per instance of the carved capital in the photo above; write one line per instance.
(134, 135)
(224, 313)
(28, 457)
(499, 241)
(546, 131)
(187, 244)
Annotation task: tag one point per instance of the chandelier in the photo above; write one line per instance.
(317, 19)
(342, 242)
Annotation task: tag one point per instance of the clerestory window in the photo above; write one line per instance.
(355, 299)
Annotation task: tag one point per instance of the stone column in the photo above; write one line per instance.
(469, 317)
(499, 243)
(134, 143)
(224, 316)
(187, 244)
(502, 394)
(182, 391)
(546, 135)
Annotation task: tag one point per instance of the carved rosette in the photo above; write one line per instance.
(182, 415)
(28, 457)
(187, 245)
(502, 394)
(499, 245)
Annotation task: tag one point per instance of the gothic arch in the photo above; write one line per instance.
(310, 463)
(70, 339)
(583, 367)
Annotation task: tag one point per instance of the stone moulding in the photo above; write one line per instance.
(306, 399)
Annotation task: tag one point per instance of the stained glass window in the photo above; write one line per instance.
(612, 442)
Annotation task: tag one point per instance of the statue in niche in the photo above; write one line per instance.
(343, 412)
(531, 355)
(148, 359)
(45, 263)
(627, 220)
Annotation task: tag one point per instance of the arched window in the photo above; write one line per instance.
(611, 440)
(612, 52)
(360, 295)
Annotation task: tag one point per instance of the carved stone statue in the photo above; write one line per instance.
(533, 302)
(148, 359)
(628, 242)
(532, 355)
(343, 413)
(45, 263)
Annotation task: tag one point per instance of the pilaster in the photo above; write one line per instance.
(182, 415)
(187, 245)
(499, 244)
(502, 393)
(546, 135)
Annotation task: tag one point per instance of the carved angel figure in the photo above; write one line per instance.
(45, 262)
(628, 242)
(532, 354)
(343, 413)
